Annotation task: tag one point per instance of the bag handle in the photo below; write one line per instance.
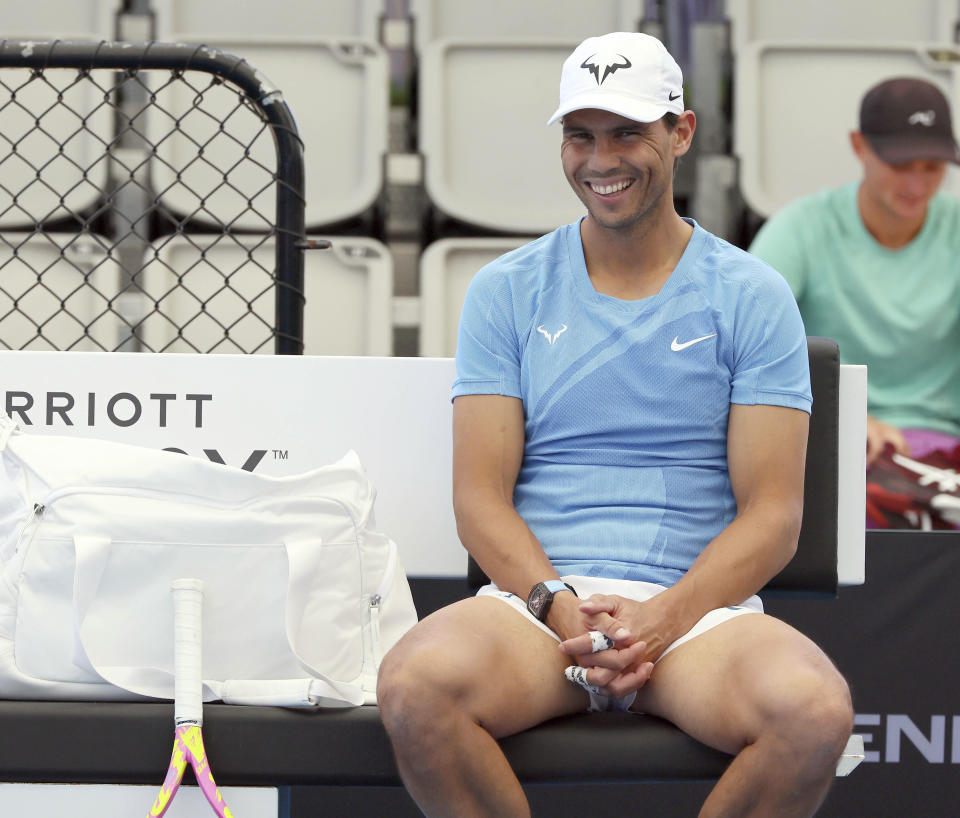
(91, 555)
(291, 693)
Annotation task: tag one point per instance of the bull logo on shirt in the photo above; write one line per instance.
(552, 339)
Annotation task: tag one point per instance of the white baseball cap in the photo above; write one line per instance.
(626, 73)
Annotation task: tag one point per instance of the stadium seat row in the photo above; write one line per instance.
(484, 97)
(483, 100)
(349, 294)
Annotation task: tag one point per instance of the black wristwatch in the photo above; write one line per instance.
(541, 596)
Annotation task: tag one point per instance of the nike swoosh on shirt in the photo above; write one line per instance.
(676, 346)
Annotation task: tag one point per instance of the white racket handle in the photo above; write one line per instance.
(187, 651)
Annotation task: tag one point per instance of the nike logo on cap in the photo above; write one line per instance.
(672, 97)
(676, 346)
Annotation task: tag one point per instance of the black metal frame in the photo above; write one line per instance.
(290, 203)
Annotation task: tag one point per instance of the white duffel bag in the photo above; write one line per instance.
(302, 594)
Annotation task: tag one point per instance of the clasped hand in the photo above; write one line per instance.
(624, 668)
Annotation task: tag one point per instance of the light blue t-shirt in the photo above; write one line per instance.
(626, 403)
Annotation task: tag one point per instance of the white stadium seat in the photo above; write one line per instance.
(349, 292)
(489, 157)
(60, 20)
(54, 129)
(333, 18)
(446, 269)
(227, 301)
(337, 89)
(58, 291)
(570, 19)
(846, 21)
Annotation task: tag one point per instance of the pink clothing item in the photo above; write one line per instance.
(924, 441)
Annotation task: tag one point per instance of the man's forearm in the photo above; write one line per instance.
(766, 449)
(738, 562)
(502, 543)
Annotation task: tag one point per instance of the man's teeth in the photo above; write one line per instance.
(614, 188)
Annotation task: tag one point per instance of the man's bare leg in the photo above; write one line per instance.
(465, 676)
(755, 687)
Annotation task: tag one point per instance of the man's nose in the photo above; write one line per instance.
(919, 176)
(917, 182)
(604, 156)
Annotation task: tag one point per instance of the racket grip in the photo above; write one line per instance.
(187, 651)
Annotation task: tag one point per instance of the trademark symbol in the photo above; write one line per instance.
(281, 454)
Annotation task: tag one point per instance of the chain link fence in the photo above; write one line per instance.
(151, 198)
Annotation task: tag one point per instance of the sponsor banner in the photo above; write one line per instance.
(270, 414)
(895, 640)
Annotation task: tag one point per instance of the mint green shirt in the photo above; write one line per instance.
(897, 311)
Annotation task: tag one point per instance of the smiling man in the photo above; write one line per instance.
(630, 422)
(873, 264)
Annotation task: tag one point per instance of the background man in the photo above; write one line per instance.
(630, 423)
(874, 265)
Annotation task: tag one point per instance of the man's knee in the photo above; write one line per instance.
(418, 688)
(817, 714)
(400, 687)
(832, 716)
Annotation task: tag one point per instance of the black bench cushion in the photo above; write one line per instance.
(129, 743)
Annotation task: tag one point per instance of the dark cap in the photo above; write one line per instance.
(904, 119)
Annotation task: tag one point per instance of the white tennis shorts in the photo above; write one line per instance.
(630, 589)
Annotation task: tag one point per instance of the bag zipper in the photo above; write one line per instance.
(154, 494)
(24, 539)
(33, 521)
(29, 527)
(175, 496)
(376, 604)
(375, 601)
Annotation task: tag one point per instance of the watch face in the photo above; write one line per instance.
(537, 599)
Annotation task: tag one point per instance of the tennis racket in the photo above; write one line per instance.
(188, 702)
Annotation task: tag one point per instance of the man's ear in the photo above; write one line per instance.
(683, 132)
(858, 143)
